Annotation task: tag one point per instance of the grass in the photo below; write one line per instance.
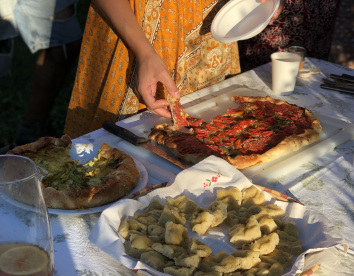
(16, 85)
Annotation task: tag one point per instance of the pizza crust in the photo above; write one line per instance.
(118, 183)
(115, 185)
(190, 158)
(164, 136)
(288, 145)
(42, 142)
(251, 99)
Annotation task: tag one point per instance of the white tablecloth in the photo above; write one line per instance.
(324, 183)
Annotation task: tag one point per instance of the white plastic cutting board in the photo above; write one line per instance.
(334, 133)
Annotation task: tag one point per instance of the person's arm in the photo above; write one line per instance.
(152, 69)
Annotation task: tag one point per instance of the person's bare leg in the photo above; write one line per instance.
(51, 68)
(50, 72)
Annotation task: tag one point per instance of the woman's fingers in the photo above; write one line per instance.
(278, 12)
(152, 70)
(160, 107)
(170, 86)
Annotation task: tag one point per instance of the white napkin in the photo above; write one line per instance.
(199, 183)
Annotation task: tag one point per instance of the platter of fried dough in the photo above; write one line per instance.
(211, 220)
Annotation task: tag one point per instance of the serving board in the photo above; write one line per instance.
(206, 110)
(334, 133)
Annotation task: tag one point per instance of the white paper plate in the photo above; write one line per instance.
(315, 230)
(84, 151)
(242, 19)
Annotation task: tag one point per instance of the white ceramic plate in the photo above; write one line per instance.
(242, 19)
(85, 151)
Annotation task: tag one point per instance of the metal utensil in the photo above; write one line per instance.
(343, 77)
(343, 83)
(339, 83)
(124, 133)
(337, 88)
(143, 142)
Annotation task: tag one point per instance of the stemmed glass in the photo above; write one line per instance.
(26, 246)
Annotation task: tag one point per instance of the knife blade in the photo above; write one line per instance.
(136, 140)
(150, 146)
(124, 133)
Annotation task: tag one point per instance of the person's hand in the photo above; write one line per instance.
(151, 70)
(276, 14)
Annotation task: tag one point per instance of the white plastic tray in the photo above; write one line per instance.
(334, 133)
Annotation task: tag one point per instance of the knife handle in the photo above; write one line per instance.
(348, 77)
(339, 83)
(123, 133)
(336, 88)
(343, 77)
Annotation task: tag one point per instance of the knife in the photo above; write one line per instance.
(146, 143)
(339, 83)
(337, 88)
(124, 133)
(343, 77)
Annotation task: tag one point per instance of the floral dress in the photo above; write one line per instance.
(180, 33)
(307, 23)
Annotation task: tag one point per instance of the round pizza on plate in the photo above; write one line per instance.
(256, 131)
(111, 175)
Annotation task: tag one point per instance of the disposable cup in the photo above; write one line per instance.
(285, 67)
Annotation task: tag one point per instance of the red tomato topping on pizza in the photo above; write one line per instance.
(201, 136)
(228, 120)
(202, 131)
(212, 127)
(219, 125)
(219, 118)
(227, 142)
(268, 122)
(236, 112)
(251, 146)
(194, 122)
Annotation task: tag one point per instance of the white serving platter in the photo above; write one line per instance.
(334, 133)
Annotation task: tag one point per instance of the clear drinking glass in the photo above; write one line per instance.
(301, 51)
(26, 245)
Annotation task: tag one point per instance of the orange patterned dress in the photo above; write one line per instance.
(180, 33)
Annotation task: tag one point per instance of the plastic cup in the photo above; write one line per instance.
(301, 51)
(285, 67)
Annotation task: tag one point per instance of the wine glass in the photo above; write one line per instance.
(26, 245)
